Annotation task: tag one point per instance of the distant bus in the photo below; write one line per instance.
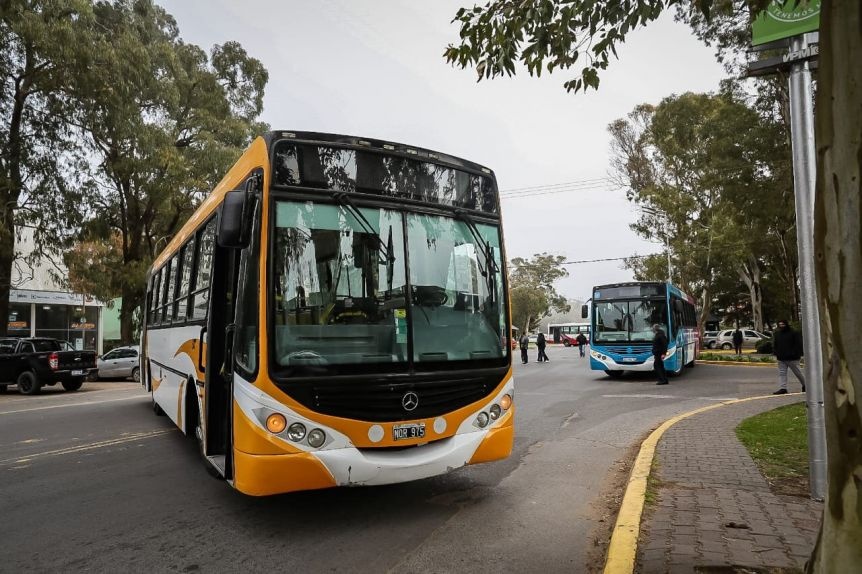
(621, 318)
(335, 313)
(567, 333)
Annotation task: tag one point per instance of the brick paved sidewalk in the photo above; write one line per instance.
(714, 508)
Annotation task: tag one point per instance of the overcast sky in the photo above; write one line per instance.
(374, 68)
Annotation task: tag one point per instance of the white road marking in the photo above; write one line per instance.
(83, 404)
(84, 447)
(647, 396)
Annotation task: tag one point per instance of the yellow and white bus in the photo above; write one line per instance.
(335, 313)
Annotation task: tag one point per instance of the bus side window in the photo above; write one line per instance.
(185, 278)
(199, 300)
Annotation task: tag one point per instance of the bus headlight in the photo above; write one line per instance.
(275, 423)
(495, 412)
(316, 438)
(296, 432)
(506, 402)
(482, 420)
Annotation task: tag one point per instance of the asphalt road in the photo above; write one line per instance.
(93, 481)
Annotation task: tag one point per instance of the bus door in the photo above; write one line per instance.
(233, 230)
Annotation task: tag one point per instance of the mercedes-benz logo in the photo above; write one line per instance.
(410, 401)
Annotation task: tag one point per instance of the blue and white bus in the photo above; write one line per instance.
(621, 320)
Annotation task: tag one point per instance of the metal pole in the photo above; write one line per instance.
(804, 173)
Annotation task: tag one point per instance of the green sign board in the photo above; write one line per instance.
(785, 18)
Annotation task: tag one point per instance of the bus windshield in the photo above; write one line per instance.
(340, 287)
(628, 321)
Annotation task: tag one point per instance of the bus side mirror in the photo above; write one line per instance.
(231, 230)
(584, 311)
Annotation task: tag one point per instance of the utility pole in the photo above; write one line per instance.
(804, 174)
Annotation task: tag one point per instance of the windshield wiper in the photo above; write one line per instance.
(347, 204)
(384, 250)
(489, 272)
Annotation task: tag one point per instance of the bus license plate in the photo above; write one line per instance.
(77, 373)
(629, 360)
(413, 430)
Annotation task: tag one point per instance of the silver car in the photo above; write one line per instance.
(119, 363)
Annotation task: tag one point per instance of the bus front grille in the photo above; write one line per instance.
(380, 402)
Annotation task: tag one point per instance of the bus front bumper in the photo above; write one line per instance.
(261, 475)
(602, 362)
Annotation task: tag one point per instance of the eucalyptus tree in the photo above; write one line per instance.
(564, 34)
(40, 48)
(162, 121)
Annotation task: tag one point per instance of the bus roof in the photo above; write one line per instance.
(389, 147)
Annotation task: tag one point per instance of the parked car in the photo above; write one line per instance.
(32, 363)
(709, 339)
(119, 363)
(749, 338)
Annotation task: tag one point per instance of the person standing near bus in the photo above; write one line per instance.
(582, 341)
(737, 341)
(659, 350)
(540, 344)
(524, 342)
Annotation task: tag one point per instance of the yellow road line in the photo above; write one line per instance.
(737, 363)
(622, 550)
(88, 446)
(63, 406)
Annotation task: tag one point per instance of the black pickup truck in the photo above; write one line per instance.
(32, 363)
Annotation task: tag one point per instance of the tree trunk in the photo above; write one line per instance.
(7, 256)
(838, 244)
(749, 272)
(704, 309)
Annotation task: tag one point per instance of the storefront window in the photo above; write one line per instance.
(76, 324)
(19, 320)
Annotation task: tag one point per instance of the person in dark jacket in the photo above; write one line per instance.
(659, 350)
(524, 342)
(540, 344)
(787, 347)
(737, 341)
(582, 341)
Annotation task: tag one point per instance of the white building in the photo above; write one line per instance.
(40, 306)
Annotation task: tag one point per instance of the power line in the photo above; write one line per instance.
(575, 182)
(562, 190)
(610, 259)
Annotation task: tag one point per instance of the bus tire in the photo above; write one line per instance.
(28, 384)
(566, 344)
(73, 384)
(614, 374)
(2, 389)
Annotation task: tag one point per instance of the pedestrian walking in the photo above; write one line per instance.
(737, 341)
(540, 344)
(524, 342)
(787, 347)
(659, 350)
(582, 342)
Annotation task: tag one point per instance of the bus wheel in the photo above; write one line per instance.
(566, 344)
(614, 374)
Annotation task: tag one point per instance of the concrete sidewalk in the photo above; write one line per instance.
(714, 508)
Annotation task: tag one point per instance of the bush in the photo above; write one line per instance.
(764, 347)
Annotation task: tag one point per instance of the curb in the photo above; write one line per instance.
(622, 550)
(736, 363)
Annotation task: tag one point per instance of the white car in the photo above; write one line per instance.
(119, 363)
